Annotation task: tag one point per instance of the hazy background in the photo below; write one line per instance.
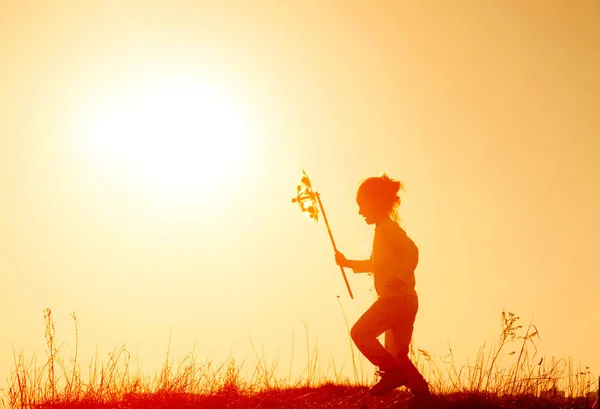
(487, 111)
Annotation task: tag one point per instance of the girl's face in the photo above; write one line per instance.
(367, 209)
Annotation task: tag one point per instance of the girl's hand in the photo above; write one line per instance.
(341, 260)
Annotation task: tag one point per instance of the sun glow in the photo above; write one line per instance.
(175, 139)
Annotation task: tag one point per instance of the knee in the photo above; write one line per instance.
(354, 333)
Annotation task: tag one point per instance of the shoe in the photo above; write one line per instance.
(389, 381)
(422, 400)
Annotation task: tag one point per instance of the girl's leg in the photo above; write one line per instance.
(381, 316)
(397, 342)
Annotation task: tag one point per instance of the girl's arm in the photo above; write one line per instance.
(358, 266)
(361, 266)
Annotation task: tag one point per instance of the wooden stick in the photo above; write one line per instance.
(333, 242)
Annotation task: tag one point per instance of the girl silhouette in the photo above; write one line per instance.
(393, 262)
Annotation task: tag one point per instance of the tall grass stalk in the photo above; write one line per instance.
(359, 380)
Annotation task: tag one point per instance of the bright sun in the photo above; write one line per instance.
(175, 139)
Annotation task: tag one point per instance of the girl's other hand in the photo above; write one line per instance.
(341, 260)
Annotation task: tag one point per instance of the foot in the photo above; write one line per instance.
(389, 381)
(422, 400)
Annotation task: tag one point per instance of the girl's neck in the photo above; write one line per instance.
(381, 220)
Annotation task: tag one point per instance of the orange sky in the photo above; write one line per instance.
(487, 111)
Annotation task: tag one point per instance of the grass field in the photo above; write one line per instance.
(526, 382)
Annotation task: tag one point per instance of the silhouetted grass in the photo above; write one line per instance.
(525, 382)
